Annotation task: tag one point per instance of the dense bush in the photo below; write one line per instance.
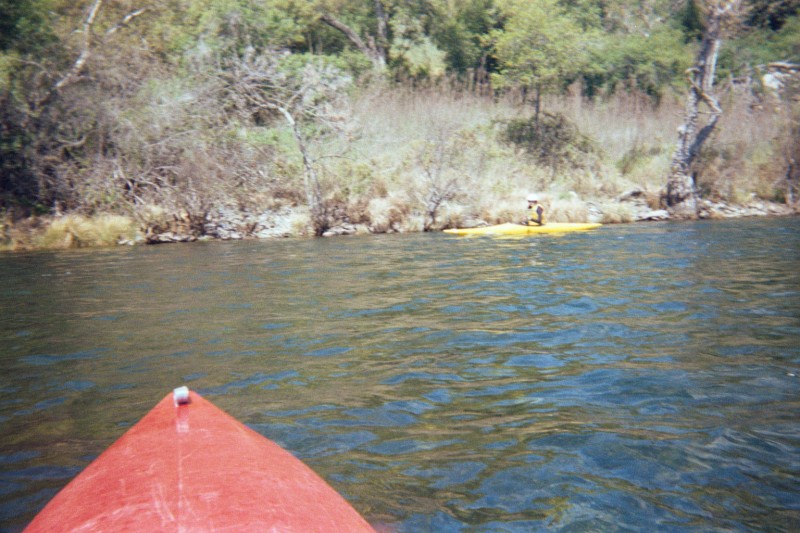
(551, 140)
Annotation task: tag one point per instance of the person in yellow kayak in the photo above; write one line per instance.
(535, 211)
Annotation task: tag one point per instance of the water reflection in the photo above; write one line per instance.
(639, 377)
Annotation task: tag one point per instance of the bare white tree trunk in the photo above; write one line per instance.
(73, 72)
(310, 179)
(681, 195)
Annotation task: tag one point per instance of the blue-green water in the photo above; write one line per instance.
(634, 378)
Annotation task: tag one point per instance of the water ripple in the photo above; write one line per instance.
(637, 378)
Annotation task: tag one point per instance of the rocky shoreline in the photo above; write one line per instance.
(226, 224)
(75, 231)
(642, 212)
(231, 224)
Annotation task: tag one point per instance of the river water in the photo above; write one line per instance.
(634, 378)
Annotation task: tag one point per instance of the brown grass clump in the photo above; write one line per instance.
(568, 209)
(616, 213)
(77, 231)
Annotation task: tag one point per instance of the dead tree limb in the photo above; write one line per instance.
(372, 51)
(681, 195)
(77, 66)
(87, 31)
(125, 21)
(258, 82)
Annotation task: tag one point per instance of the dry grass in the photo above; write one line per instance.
(408, 142)
(569, 208)
(69, 231)
(495, 178)
(623, 121)
(76, 231)
(745, 158)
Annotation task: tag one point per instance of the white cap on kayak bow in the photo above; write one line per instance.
(181, 395)
(533, 198)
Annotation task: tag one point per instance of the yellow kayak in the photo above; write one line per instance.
(519, 229)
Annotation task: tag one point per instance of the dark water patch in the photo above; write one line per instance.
(328, 352)
(49, 359)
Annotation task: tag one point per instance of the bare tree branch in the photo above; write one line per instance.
(258, 83)
(354, 38)
(716, 112)
(125, 21)
(76, 68)
(374, 52)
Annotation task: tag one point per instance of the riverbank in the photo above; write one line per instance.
(78, 231)
(413, 160)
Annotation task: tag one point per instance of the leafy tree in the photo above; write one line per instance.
(191, 27)
(413, 54)
(539, 48)
(553, 141)
(759, 46)
(460, 31)
(588, 14)
(689, 18)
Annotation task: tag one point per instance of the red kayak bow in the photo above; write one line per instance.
(189, 466)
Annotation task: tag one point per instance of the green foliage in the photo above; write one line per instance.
(459, 31)
(588, 14)
(328, 74)
(418, 59)
(25, 25)
(689, 18)
(353, 62)
(191, 28)
(761, 46)
(646, 62)
(771, 14)
(413, 53)
(539, 46)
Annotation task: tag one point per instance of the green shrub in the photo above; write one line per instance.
(637, 156)
(552, 140)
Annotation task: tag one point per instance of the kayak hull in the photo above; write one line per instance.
(520, 229)
(192, 467)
